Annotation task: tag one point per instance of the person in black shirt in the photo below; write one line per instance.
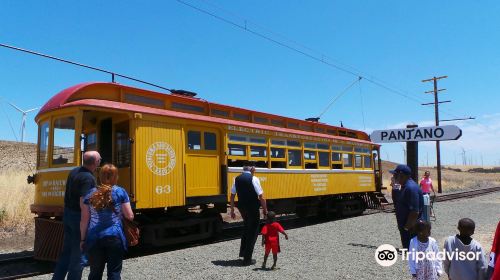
(250, 198)
(79, 182)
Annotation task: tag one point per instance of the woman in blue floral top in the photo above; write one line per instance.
(101, 226)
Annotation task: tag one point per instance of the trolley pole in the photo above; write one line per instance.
(436, 113)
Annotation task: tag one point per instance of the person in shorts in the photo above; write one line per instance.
(270, 238)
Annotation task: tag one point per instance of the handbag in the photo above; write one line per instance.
(131, 231)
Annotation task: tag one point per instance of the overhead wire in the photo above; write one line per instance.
(320, 57)
(113, 74)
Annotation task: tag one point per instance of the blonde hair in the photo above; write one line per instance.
(108, 176)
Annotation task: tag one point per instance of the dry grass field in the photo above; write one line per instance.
(451, 180)
(16, 195)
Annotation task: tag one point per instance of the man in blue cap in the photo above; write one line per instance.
(409, 205)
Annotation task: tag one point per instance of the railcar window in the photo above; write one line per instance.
(237, 150)
(210, 141)
(278, 164)
(310, 145)
(306, 127)
(293, 143)
(320, 129)
(261, 120)
(277, 122)
(294, 158)
(311, 165)
(241, 117)
(43, 154)
(236, 163)
(347, 160)
(258, 151)
(368, 161)
(132, 98)
(261, 164)
(337, 166)
(122, 146)
(323, 159)
(220, 113)
(278, 142)
(336, 156)
(91, 141)
(239, 138)
(309, 155)
(322, 146)
(352, 134)
(194, 140)
(277, 153)
(358, 161)
(362, 150)
(293, 125)
(187, 107)
(336, 148)
(258, 140)
(64, 141)
(346, 148)
(331, 131)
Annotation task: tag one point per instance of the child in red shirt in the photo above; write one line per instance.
(270, 238)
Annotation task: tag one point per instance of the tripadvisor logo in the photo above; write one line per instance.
(386, 255)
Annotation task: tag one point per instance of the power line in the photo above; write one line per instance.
(113, 74)
(247, 22)
(318, 56)
(320, 59)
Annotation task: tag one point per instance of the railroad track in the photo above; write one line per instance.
(466, 194)
(26, 266)
(22, 267)
(445, 197)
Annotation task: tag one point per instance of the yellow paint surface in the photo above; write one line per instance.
(290, 185)
(158, 165)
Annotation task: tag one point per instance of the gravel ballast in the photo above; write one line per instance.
(342, 249)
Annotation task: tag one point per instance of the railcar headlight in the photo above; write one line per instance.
(31, 179)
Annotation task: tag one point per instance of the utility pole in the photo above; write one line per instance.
(436, 113)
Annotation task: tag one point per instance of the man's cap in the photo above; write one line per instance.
(401, 169)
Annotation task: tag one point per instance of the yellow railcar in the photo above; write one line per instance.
(178, 155)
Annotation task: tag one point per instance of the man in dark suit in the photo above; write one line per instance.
(79, 182)
(250, 198)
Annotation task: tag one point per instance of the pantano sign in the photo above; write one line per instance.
(432, 133)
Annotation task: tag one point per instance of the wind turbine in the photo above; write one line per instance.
(23, 123)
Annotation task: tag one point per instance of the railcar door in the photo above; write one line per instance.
(158, 168)
(202, 162)
(122, 157)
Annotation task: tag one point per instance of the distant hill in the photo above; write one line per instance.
(17, 156)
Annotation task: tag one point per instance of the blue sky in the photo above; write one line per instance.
(397, 42)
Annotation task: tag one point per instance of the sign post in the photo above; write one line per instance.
(412, 155)
(413, 134)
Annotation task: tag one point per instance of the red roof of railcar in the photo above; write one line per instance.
(62, 100)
